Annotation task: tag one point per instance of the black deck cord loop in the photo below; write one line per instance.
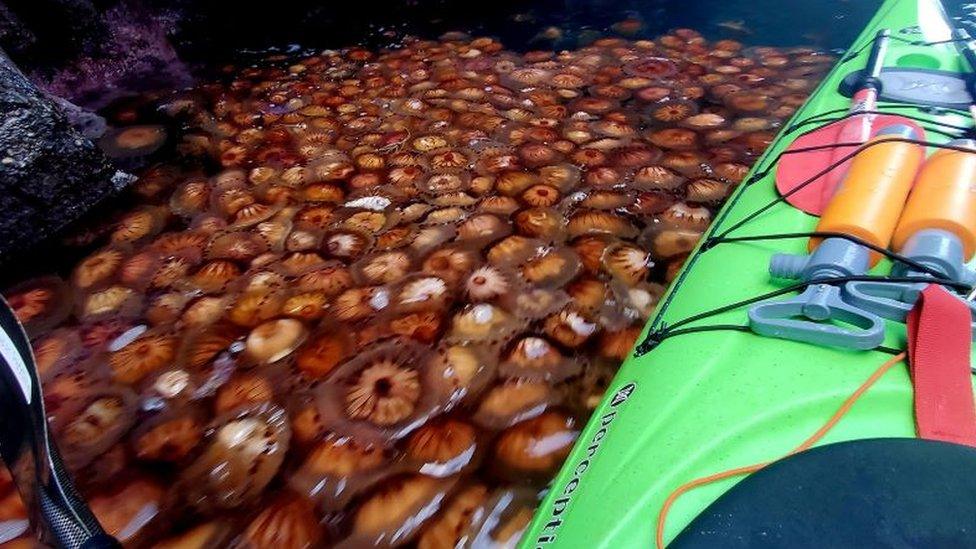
(857, 150)
(656, 336)
(853, 54)
(740, 328)
(826, 118)
(713, 241)
(768, 165)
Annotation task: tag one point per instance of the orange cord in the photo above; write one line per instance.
(810, 441)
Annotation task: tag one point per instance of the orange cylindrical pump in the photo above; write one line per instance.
(944, 197)
(869, 201)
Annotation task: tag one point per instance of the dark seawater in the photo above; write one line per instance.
(223, 28)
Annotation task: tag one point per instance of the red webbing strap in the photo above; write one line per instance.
(938, 352)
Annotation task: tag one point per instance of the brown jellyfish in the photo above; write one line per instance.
(289, 521)
(587, 222)
(253, 214)
(627, 263)
(455, 199)
(360, 303)
(704, 121)
(490, 283)
(132, 360)
(346, 243)
(450, 528)
(137, 270)
(203, 311)
(315, 217)
(442, 448)
(535, 358)
(274, 340)
(339, 468)
(684, 216)
(674, 138)
(190, 198)
(656, 178)
(428, 143)
(243, 451)
(395, 513)
(749, 102)
(511, 401)
(618, 344)
(535, 155)
(569, 328)
(331, 279)
(131, 511)
(666, 243)
(674, 110)
(607, 200)
(721, 135)
(603, 176)
(651, 67)
(382, 267)
(215, 276)
(692, 163)
(534, 448)
(430, 238)
(503, 518)
(168, 437)
(563, 177)
(200, 348)
(397, 237)
(97, 268)
(731, 171)
(590, 251)
(236, 246)
(449, 160)
(384, 391)
(541, 196)
(460, 372)
(132, 141)
(306, 305)
(589, 157)
(324, 351)
(451, 264)
(251, 308)
(94, 425)
(541, 223)
(188, 245)
(706, 190)
(42, 303)
(513, 183)
(56, 351)
(482, 323)
(552, 268)
(483, 228)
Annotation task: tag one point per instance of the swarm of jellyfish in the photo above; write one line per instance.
(376, 295)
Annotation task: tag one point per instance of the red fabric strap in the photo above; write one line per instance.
(938, 352)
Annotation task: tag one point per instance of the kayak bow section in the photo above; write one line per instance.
(704, 402)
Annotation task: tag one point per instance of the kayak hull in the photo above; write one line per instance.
(702, 403)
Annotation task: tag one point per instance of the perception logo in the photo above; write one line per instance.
(561, 503)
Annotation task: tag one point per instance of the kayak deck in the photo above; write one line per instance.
(701, 403)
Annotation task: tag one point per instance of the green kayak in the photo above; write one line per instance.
(705, 402)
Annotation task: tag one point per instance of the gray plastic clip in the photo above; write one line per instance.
(819, 315)
(936, 249)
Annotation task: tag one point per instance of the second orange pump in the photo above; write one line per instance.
(869, 202)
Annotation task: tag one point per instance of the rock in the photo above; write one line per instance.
(50, 174)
